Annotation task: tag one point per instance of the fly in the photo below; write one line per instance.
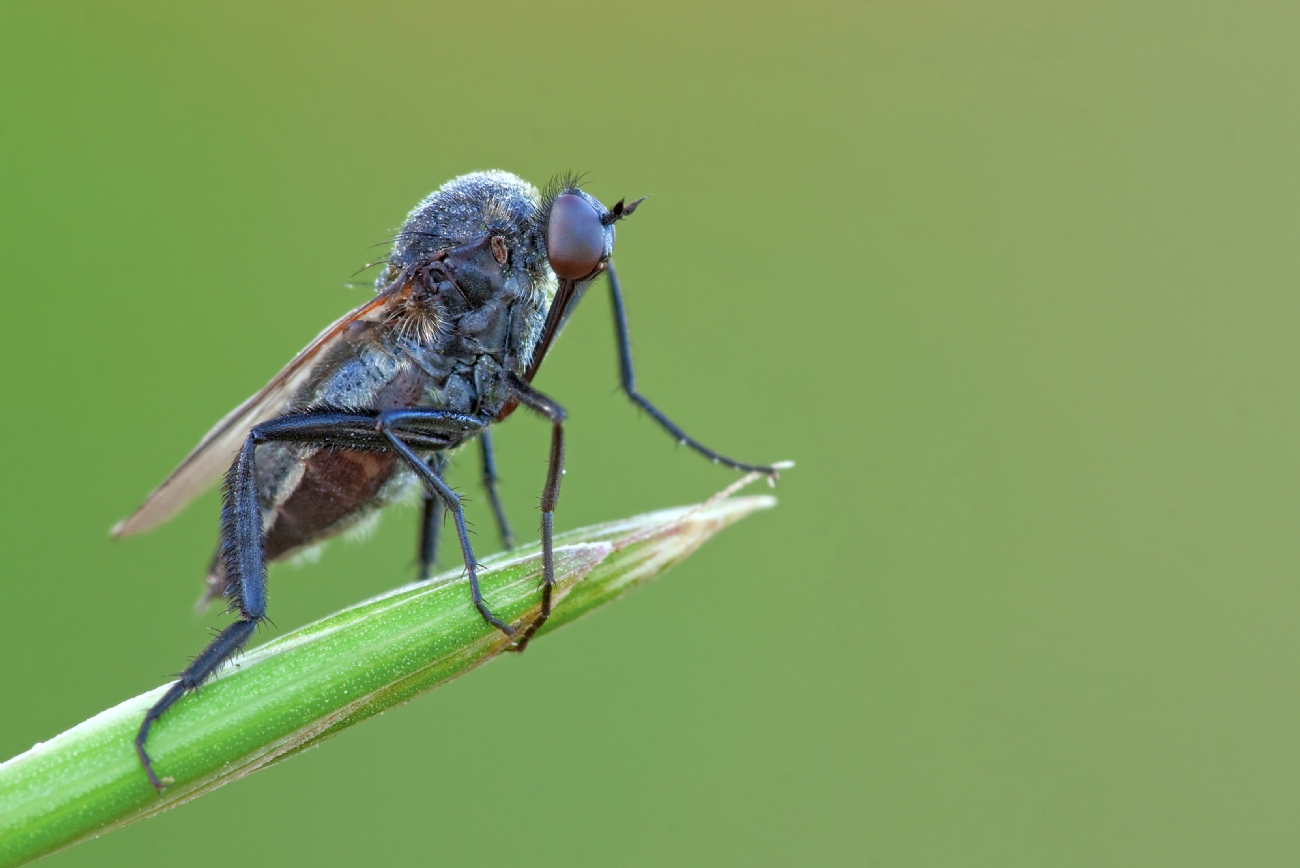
(483, 276)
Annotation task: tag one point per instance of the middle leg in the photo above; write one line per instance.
(431, 523)
(490, 483)
(390, 424)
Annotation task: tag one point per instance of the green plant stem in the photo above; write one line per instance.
(295, 691)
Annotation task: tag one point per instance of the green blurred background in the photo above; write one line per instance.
(1014, 283)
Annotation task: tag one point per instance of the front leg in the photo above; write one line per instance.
(628, 380)
(535, 400)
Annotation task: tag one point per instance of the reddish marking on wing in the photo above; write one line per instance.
(335, 483)
(218, 448)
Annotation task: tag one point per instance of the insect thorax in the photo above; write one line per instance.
(484, 205)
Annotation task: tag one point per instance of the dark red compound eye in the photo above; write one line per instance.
(575, 238)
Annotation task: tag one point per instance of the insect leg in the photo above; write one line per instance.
(431, 526)
(228, 641)
(535, 400)
(241, 548)
(418, 427)
(389, 424)
(629, 386)
(490, 483)
(241, 528)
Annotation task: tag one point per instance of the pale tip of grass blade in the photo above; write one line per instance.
(296, 690)
(647, 545)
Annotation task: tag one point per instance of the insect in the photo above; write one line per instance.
(483, 276)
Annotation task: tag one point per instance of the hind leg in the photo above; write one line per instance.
(241, 553)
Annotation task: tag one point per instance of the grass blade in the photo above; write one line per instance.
(296, 690)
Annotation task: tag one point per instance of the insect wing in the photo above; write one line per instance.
(218, 448)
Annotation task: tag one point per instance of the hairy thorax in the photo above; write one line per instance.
(311, 493)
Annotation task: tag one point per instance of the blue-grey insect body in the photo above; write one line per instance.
(482, 277)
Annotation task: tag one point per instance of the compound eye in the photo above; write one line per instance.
(575, 238)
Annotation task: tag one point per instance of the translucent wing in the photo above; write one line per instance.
(218, 448)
